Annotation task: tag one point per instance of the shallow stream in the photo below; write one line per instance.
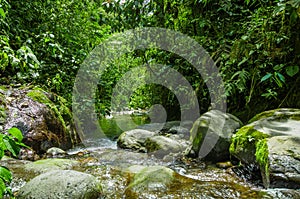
(196, 179)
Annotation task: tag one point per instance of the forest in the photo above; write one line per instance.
(254, 43)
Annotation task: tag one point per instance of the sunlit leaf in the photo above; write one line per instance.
(2, 13)
(5, 174)
(15, 132)
(12, 146)
(2, 188)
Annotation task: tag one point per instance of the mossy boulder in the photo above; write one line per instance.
(162, 145)
(158, 143)
(62, 184)
(43, 118)
(211, 134)
(42, 166)
(272, 143)
(134, 139)
(149, 179)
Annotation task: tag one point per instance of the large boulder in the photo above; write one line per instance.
(43, 118)
(174, 127)
(211, 135)
(271, 142)
(162, 145)
(61, 184)
(134, 139)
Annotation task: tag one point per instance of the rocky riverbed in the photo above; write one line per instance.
(214, 157)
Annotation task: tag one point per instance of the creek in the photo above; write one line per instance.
(103, 159)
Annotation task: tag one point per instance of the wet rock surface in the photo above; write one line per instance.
(124, 174)
(272, 143)
(42, 117)
(61, 184)
(211, 136)
(132, 173)
(170, 138)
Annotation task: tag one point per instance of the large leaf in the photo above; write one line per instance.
(292, 70)
(16, 133)
(5, 174)
(11, 146)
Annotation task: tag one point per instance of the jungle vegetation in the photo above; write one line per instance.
(254, 43)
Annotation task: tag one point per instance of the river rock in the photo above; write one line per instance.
(134, 139)
(42, 117)
(55, 152)
(271, 141)
(149, 178)
(211, 134)
(61, 184)
(168, 127)
(42, 166)
(162, 145)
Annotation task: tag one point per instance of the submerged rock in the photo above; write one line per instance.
(272, 143)
(61, 184)
(162, 182)
(150, 178)
(42, 117)
(211, 134)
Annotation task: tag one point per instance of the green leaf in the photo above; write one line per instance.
(278, 67)
(244, 37)
(11, 146)
(281, 77)
(243, 61)
(267, 76)
(15, 132)
(2, 188)
(2, 13)
(1, 153)
(5, 174)
(292, 70)
(22, 145)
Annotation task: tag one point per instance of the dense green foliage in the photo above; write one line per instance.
(255, 44)
(11, 142)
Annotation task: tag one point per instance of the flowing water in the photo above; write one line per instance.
(104, 160)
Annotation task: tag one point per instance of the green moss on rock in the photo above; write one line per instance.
(250, 146)
(57, 105)
(45, 165)
(152, 178)
(39, 96)
(198, 130)
(245, 139)
(262, 157)
(262, 115)
(281, 113)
